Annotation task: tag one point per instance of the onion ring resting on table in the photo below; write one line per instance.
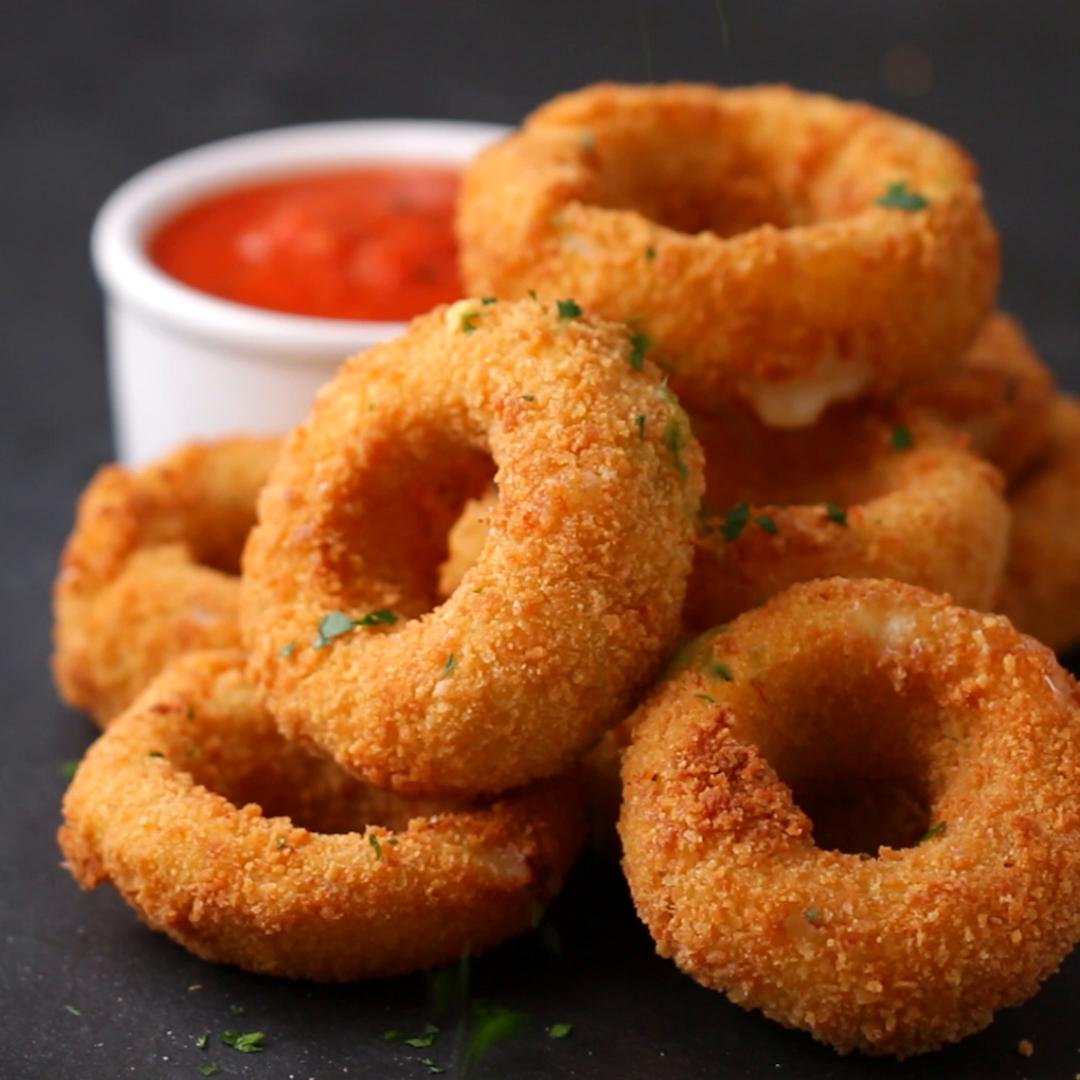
(1001, 394)
(149, 571)
(952, 734)
(574, 599)
(785, 248)
(862, 494)
(249, 850)
(1041, 591)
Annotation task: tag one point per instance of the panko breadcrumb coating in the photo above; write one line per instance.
(150, 569)
(249, 850)
(864, 493)
(574, 600)
(1041, 591)
(778, 247)
(950, 740)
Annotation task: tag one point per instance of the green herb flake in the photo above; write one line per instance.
(209, 1070)
(491, 1024)
(568, 309)
(74, 1012)
(560, 1031)
(902, 438)
(287, 650)
(155, 753)
(422, 1042)
(451, 663)
(813, 915)
(469, 321)
(767, 524)
(898, 196)
(238, 1010)
(719, 670)
(836, 513)
(391, 1035)
(202, 1041)
(706, 697)
(68, 769)
(675, 440)
(937, 829)
(338, 623)
(432, 1066)
(640, 344)
(639, 423)
(247, 1042)
(531, 293)
(486, 300)
(373, 840)
(735, 520)
(282, 843)
(650, 253)
(528, 397)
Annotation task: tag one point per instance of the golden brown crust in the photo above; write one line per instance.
(1001, 395)
(1041, 590)
(742, 228)
(841, 499)
(832, 683)
(249, 850)
(574, 600)
(149, 571)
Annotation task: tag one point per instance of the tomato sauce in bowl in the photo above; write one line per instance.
(371, 243)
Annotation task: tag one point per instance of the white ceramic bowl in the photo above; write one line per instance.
(184, 364)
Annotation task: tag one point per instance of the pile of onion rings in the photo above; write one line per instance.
(849, 802)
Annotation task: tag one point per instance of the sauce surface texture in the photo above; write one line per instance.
(372, 243)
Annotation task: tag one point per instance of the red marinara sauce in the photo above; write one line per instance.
(373, 243)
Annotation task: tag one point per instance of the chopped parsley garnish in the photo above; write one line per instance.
(390, 1034)
(485, 300)
(74, 1012)
(568, 309)
(238, 1010)
(901, 438)
(813, 916)
(155, 753)
(836, 513)
(203, 1041)
(431, 1066)
(373, 840)
(287, 650)
(247, 1042)
(468, 321)
(898, 196)
(935, 830)
(282, 843)
(531, 293)
(650, 253)
(639, 423)
(735, 520)
(451, 663)
(706, 697)
(720, 671)
(675, 440)
(639, 346)
(68, 769)
(528, 397)
(338, 623)
(560, 1031)
(491, 1024)
(209, 1070)
(767, 524)
(422, 1042)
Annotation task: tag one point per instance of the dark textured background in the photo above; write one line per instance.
(91, 92)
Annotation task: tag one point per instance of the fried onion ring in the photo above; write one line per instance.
(1001, 394)
(959, 734)
(249, 850)
(149, 571)
(1041, 591)
(785, 248)
(574, 600)
(862, 494)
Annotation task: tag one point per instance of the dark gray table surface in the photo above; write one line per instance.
(89, 93)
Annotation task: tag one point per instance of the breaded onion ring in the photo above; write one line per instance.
(862, 494)
(959, 740)
(149, 571)
(1041, 591)
(1001, 395)
(785, 248)
(249, 850)
(576, 595)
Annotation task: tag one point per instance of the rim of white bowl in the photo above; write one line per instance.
(126, 273)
